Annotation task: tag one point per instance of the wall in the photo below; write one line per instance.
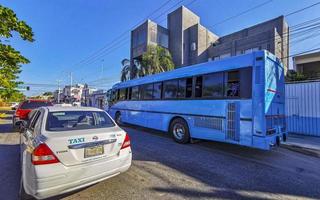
(303, 108)
(270, 35)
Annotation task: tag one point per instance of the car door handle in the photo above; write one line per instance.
(92, 144)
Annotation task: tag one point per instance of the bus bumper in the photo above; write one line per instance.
(269, 141)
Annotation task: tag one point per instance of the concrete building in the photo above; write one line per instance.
(271, 35)
(146, 34)
(308, 65)
(190, 43)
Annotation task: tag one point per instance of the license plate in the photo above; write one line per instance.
(93, 151)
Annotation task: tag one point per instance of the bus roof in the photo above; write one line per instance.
(234, 62)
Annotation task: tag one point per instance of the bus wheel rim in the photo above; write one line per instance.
(178, 131)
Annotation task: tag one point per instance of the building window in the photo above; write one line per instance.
(193, 46)
(226, 55)
(216, 58)
(170, 89)
(213, 85)
(239, 52)
(163, 39)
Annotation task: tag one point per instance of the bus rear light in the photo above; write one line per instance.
(126, 143)
(42, 155)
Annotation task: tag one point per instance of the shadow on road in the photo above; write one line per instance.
(9, 161)
(234, 172)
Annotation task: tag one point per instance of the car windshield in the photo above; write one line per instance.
(77, 120)
(34, 104)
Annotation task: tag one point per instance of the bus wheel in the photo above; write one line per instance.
(118, 118)
(180, 131)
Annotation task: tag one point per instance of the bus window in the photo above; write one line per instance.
(157, 87)
(129, 93)
(181, 88)
(213, 85)
(146, 91)
(198, 87)
(135, 93)
(246, 83)
(189, 88)
(170, 89)
(122, 94)
(232, 84)
(118, 95)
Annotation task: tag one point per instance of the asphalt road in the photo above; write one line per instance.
(163, 169)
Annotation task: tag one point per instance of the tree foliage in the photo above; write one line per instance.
(295, 76)
(11, 59)
(156, 60)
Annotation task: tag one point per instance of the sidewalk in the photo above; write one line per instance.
(304, 144)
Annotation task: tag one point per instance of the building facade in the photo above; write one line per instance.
(190, 43)
(308, 65)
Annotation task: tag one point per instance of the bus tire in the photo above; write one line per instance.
(180, 131)
(118, 118)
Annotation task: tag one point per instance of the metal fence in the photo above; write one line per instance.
(303, 107)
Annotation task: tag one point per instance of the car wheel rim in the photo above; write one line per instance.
(178, 131)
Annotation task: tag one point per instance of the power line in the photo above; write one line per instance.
(241, 13)
(121, 35)
(302, 9)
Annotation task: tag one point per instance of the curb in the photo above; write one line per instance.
(301, 149)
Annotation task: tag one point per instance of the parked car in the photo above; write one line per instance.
(24, 108)
(68, 148)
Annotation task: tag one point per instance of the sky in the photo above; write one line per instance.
(74, 36)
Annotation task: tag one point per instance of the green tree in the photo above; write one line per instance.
(295, 76)
(156, 60)
(11, 59)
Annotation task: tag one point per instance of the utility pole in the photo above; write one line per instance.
(58, 90)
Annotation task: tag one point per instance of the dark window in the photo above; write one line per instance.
(189, 88)
(170, 89)
(34, 120)
(146, 91)
(135, 93)
(129, 93)
(198, 87)
(181, 88)
(118, 94)
(34, 104)
(213, 85)
(246, 82)
(122, 94)
(157, 87)
(77, 120)
(232, 84)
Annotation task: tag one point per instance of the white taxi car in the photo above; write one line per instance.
(68, 148)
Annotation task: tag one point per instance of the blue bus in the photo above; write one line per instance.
(238, 100)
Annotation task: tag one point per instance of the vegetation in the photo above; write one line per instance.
(10, 58)
(155, 60)
(295, 76)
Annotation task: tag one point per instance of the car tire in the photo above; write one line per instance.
(180, 131)
(118, 118)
